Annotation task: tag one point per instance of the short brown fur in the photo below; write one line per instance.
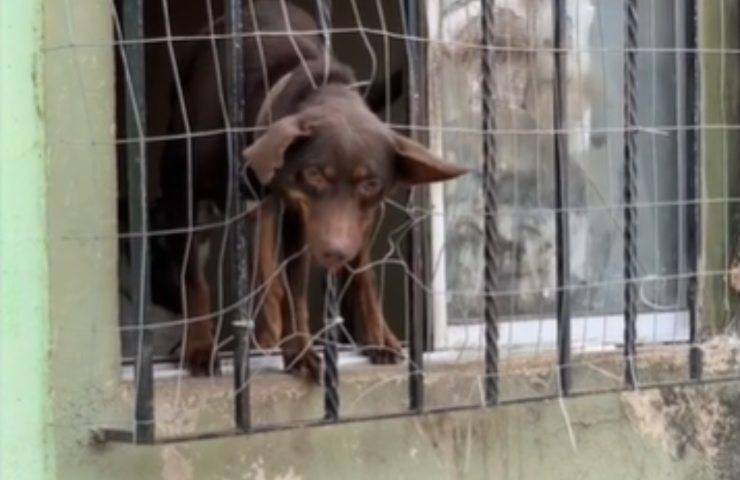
(326, 162)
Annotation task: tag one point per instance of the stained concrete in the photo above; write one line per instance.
(676, 433)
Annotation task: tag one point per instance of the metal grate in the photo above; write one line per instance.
(131, 49)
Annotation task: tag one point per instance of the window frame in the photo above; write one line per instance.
(668, 327)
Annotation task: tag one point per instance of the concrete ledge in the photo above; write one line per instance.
(188, 406)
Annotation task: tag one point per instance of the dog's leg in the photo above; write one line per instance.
(298, 353)
(381, 345)
(269, 321)
(283, 319)
(200, 342)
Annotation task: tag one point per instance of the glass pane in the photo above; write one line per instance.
(523, 102)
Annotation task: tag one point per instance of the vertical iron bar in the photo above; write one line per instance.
(133, 29)
(691, 116)
(242, 329)
(235, 84)
(331, 370)
(630, 191)
(416, 54)
(562, 222)
(334, 319)
(491, 386)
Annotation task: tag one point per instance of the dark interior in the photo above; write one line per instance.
(188, 18)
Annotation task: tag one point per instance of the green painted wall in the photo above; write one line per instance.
(26, 451)
(82, 223)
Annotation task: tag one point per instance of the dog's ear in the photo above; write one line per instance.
(266, 155)
(415, 164)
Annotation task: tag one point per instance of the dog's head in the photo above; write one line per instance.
(334, 161)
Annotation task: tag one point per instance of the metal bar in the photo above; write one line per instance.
(334, 319)
(112, 435)
(238, 240)
(491, 386)
(630, 192)
(691, 115)
(412, 14)
(331, 369)
(562, 226)
(133, 29)
(242, 333)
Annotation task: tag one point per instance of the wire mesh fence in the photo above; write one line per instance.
(567, 261)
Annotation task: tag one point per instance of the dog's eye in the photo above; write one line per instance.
(315, 178)
(369, 187)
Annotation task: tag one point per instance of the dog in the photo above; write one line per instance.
(325, 163)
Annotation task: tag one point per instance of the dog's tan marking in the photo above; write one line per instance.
(330, 173)
(360, 173)
(270, 322)
(382, 345)
(264, 116)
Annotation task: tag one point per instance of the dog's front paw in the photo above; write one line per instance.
(265, 339)
(200, 358)
(304, 361)
(383, 348)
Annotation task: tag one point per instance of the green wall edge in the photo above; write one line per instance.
(25, 411)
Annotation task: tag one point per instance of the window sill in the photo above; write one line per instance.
(186, 406)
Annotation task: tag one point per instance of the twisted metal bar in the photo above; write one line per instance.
(331, 370)
(630, 192)
(489, 191)
(691, 117)
(333, 319)
(412, 13)
(240, 251)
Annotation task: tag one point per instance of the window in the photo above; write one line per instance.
(593, 123)
(554, 136)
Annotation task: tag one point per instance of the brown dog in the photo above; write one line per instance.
(327, 162)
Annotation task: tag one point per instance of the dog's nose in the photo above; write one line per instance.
(334, 258)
